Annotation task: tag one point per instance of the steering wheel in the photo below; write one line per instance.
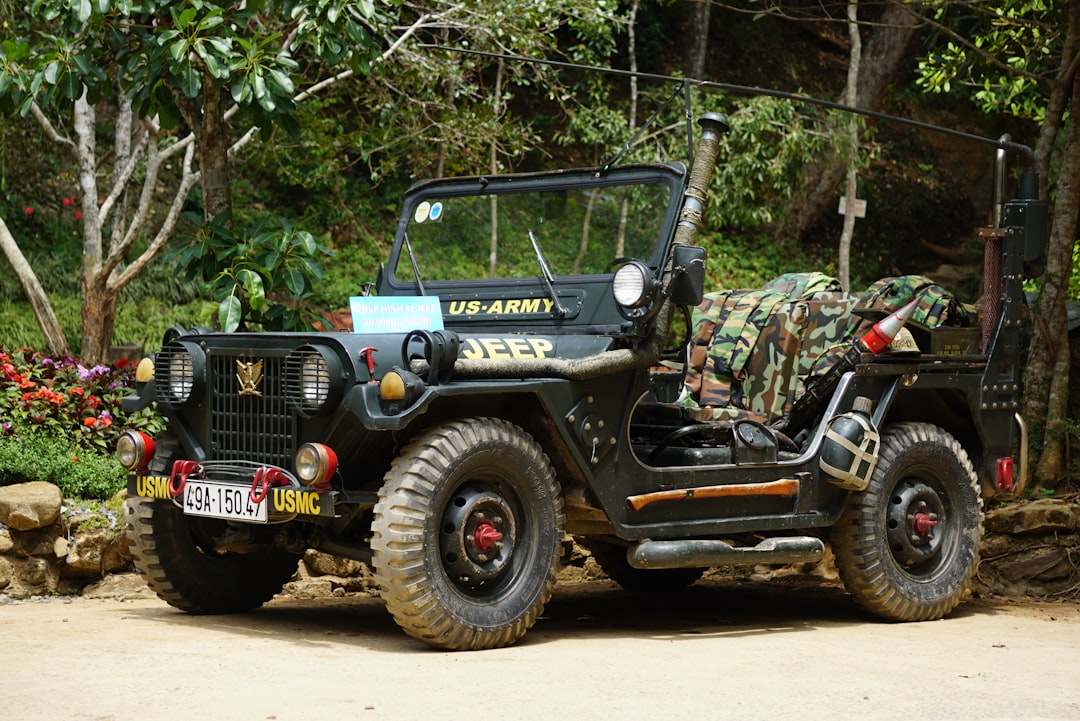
(718, 429)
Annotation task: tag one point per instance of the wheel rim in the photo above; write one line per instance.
(478, 536)
(917, 528)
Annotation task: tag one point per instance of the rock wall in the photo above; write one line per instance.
(52, 546)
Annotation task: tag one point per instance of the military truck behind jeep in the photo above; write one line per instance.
(512, 381)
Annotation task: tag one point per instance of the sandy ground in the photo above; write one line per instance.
(717, 651)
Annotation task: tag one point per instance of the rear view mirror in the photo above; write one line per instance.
(687, 275)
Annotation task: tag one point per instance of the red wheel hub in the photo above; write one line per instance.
(923, 522)
(485, 536)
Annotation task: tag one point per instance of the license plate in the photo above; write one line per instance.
(222, 500)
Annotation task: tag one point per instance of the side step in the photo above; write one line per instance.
(705, 553)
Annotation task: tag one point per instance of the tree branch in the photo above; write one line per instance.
(49, 129)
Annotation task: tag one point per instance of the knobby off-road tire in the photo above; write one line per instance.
(173, 553)
(907, 546)
(611, 558)
(467, 534)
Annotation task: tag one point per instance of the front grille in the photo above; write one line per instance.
(253, 426)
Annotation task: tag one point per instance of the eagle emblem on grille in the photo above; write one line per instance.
(250, 376)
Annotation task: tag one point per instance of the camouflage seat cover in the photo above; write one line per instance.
(753, 350)
(751, 346)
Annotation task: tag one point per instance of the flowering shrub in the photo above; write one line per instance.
(65, 399)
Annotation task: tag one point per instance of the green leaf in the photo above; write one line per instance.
(229, 313)
(306, 241)
(83, 10)
(253, 285)
(294, 281)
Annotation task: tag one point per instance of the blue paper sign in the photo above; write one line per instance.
(395, 314)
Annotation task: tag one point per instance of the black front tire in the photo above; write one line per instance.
(175, 555)
(907, 546)
(467, 534)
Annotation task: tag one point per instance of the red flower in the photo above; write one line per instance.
(89, 421)
(29, 210)
(76, 390)
(68, 201)
(78, 215)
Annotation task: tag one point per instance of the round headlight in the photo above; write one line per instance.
(633, 285)
(134, 449)
(315, 463)
(313, 379)
(178, 372)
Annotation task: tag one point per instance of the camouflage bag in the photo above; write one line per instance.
(937, 307)
(749, 344)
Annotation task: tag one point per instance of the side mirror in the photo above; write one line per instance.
(687, 275)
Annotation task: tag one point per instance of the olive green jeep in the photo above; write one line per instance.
(516, 379)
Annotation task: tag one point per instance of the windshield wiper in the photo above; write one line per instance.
(415, 267)
(548, 276)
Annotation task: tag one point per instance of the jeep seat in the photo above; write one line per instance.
(752, 348)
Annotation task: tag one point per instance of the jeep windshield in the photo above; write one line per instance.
(477, 231)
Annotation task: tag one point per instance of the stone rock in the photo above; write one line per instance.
(995, 545)
(31, 577)
(119, 586)
(37, 542)
(1041, 516)
(5, 540)
(308, 588)
(6, 572)
(26, 506)
(60, 547)
(96, 553)
(323, 564)
(1047, 564)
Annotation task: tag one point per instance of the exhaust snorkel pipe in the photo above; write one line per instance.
(648, 353)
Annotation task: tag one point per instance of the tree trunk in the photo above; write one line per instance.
(1046, 375)
(207, 123)
(881, 57)
(851, 97)
(696, 30)
(97, 320)
(50, 327)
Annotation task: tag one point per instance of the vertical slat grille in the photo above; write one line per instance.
(247, 426)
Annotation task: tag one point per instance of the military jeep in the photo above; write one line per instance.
(516, 378)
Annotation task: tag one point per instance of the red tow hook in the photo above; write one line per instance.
(183, 469)
(267, 478)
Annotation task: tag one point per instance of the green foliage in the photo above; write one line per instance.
(36, 456)
(59, 422)
(262, 277)
(999, 54)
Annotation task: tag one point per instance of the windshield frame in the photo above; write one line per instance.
(672, 175)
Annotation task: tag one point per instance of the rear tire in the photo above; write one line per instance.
(907, 546)
(174, 553)
(467, 535)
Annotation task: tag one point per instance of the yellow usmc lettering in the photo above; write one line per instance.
(152, 487)
(288, 501)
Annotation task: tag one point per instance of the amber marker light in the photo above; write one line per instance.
(134, 450)
(315, 463)
(392, 387)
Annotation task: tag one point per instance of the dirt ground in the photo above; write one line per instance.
(718, 650)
